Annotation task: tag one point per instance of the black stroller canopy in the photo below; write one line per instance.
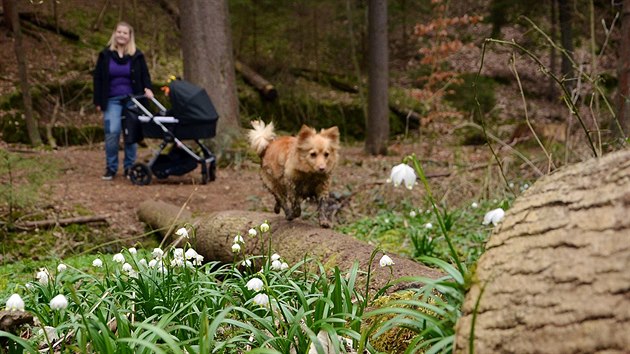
(191, 103)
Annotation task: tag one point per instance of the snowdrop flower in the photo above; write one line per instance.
(61, 267)
(42, 276)
(412, 214)
(246, 263)
(15, 303)
(133, 250)
(177, 262)
(236, 248)
(428, 225)
(402, 173)
(511, 184)
(284, 266)
(51, 333)
(386, 261)
(198, 260)
(264, 227)
(275, 257)
(474, 205)
(152, 263)
(182, 232)
(97, 263)
(127, 268)
(178, 253)
(276, 265)
(254, 284)
(28, 286)
(157, 253)
(493, 216)
(118, 257)
(142, 262)
(252, 232)
(190, 253)
(59, 302)
(238, 239)
(261, 299)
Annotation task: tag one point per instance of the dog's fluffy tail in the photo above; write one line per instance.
(261, 136)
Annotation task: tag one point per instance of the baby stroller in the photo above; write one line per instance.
(192, 117)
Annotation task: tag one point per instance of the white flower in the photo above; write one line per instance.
(15, 303)
(97, 263)
(511, 184)
(275, 257)
(236, 248)
(254, 284)
(42, 276)
(238, 239)
(428, 225)
(58, 302)
(152, 263)
(402, 173)
(386, 261)
(177, 262)
(264, 227)
(252, 232)
(127, 268)
(61, 267)
(142, 262)
(118, 257)
(261, 299)
(182, 232)
(51, 333)
(246, 263)
(133, 250)
(198, 260)
(29, 286)
(284, 266)
(493, 216)
(412, 214)
(178, 253)
(157, 253)
(474, 205)
(190, 253)
(276, 265)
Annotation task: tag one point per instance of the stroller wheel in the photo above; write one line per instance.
(140, 174)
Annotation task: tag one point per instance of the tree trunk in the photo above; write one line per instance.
(7, 10)
(208, 61)
(554, 277)
(622, 125)
(377, 129)
(566, 39)
(29, 119)
(553, 91)
(294, 240)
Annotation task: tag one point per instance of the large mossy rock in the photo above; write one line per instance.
(555, 276)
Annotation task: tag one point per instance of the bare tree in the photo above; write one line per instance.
(377, 129)
(566, 39)
(623, 74)
(206, 42)
(31, 123)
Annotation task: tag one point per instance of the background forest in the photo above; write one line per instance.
(484, 98)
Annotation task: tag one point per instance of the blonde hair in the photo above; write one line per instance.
(130, 48)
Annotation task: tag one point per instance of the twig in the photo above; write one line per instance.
(64, 222)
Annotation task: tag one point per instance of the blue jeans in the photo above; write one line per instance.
(112, 120)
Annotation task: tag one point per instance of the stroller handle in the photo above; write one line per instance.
(135, 98)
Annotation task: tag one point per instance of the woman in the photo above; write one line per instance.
(120, 70)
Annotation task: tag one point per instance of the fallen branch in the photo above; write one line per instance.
(64, 222)
(266, 89)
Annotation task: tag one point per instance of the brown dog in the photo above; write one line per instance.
(296, 168)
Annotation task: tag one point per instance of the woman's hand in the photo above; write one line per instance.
(148, 93)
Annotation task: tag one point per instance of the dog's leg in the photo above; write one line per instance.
(322, 210)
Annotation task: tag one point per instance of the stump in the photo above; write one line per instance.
(554, 277)
(293, 240)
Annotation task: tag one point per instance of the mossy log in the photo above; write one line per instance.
(293, 240)
(554, 277)
(266, 89)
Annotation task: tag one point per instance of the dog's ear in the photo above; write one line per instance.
(306, 132)
(331, 133)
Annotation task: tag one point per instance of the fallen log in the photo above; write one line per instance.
(554, 277)
(293, 240)
(266, 89)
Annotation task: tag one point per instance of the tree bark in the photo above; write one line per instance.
(554, 277)
(622, 125)
(294, 240)
(208, 61)
(7, 10)
(377, 129)
(566, 39)
(29, 119)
